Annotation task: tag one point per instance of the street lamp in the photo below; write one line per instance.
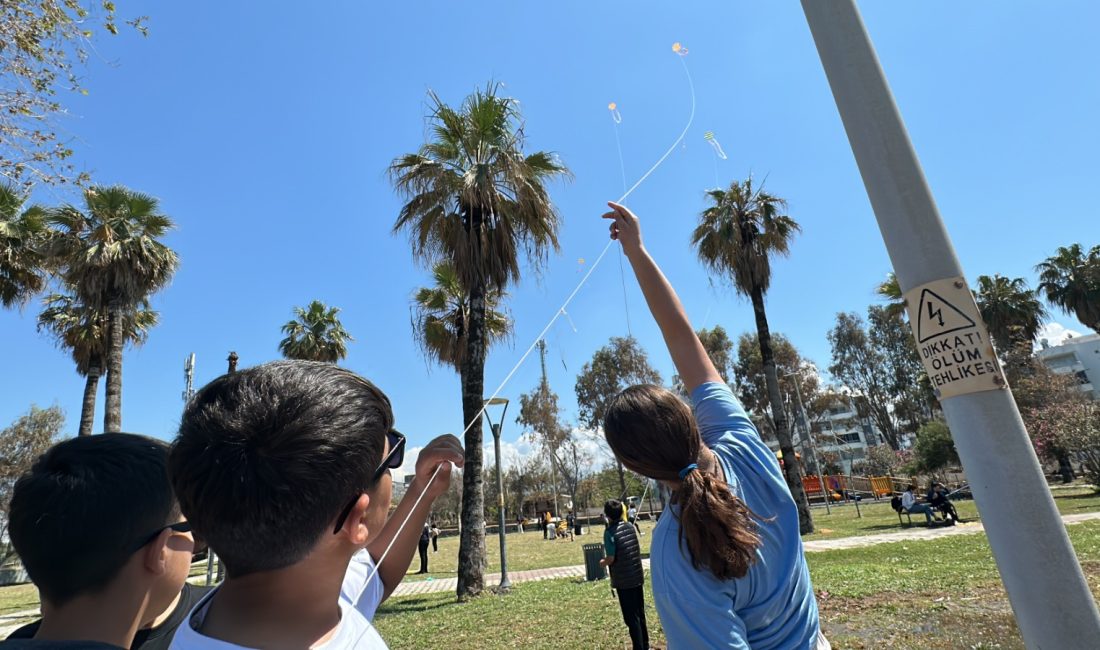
(505, 584)
(810, 438)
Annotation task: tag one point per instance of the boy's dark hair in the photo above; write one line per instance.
(268, 457)
(613, 508)
(77, 515)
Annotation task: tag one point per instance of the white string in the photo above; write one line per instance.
(378, 562)
(553, 319)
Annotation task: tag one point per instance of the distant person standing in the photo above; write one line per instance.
(435, 538)
(632, 517)
(624, 559)
(546, 523)
(425, 539)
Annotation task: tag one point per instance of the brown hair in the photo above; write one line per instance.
(653, 432)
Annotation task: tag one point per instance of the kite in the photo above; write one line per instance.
(679, 49)
(615, 113)
(709, 137)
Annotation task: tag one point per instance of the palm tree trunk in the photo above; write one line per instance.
(471, 547)
(622, 477)
(112, 415)
(87, 407)
(792, 468)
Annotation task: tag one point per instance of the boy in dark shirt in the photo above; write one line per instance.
(100, 534)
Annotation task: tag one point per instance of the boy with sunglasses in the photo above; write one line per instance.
(101, 536)
(284, 469)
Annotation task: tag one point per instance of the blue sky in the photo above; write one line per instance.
(266, 128)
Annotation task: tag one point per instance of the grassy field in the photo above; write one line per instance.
(525, 551)
(531, 551)
(938, 594)
(17, 598)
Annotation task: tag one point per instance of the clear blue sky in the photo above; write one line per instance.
(266, 134)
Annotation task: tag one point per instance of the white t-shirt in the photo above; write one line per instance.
(907, 500)
(632, 513)
(358, 602)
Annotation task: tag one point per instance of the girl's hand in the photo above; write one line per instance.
(625, 228)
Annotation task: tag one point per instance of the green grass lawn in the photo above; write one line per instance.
(17, 598)
(941, 594)
(878, 517)
(525, 551)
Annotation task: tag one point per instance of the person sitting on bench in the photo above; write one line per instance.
(937, 497)
(909, 503)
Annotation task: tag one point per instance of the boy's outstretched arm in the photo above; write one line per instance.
(444, 450)
(687, 351)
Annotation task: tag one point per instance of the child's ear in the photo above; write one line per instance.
(355, 526)
(155, 554)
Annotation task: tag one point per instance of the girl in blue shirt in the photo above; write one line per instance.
(727, 565)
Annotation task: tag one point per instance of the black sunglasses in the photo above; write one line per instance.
(393, 460)
(179, 527)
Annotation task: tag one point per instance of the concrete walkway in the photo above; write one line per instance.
(917, 532)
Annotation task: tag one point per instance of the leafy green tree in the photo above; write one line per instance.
(719, 348)
(315, 334)
(614, 368)
(22, 238)
(858, 364)
(21, 443)
(934, 448)
(791, 367)
(111, 255)
(83, 332)
(1011, 310)
(441, 317)
(907, 386)
(42, 45)
(737, 235)
(474, 198)
(1070, 280)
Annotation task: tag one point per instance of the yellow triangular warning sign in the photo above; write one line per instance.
(937, 317)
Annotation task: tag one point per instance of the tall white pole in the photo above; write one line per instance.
(1050, 597)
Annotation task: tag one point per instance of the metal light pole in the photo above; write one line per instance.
(810, 439)
(1050, 597)
(505, 584)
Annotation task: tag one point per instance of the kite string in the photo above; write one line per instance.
(378, 562)
(576, 290)
(554, 318)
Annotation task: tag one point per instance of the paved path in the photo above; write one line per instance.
(908, 534)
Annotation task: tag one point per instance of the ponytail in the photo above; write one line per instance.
(719, 529)
(653, 432)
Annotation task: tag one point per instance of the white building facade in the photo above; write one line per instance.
(1079, 355)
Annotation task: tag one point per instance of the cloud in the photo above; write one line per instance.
(1057, 333)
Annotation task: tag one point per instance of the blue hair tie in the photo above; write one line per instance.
(687, 470)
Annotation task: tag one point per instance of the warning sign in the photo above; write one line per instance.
(953, 342)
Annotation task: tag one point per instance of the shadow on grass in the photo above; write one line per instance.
(407, 605)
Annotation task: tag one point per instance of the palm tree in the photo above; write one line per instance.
(315, 334)
(736, 238)
(1011, 310)
(441, 317)
(83, 331)
(22, 230)
(475, 199)
(890, 291)
(111, 256)
(1070, 280)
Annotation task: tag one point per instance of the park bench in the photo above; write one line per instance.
(895, 503)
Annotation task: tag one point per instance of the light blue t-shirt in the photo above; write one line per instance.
(773, 605)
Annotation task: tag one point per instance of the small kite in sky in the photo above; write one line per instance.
(709, 137)
(614, 108)
(679, 49)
